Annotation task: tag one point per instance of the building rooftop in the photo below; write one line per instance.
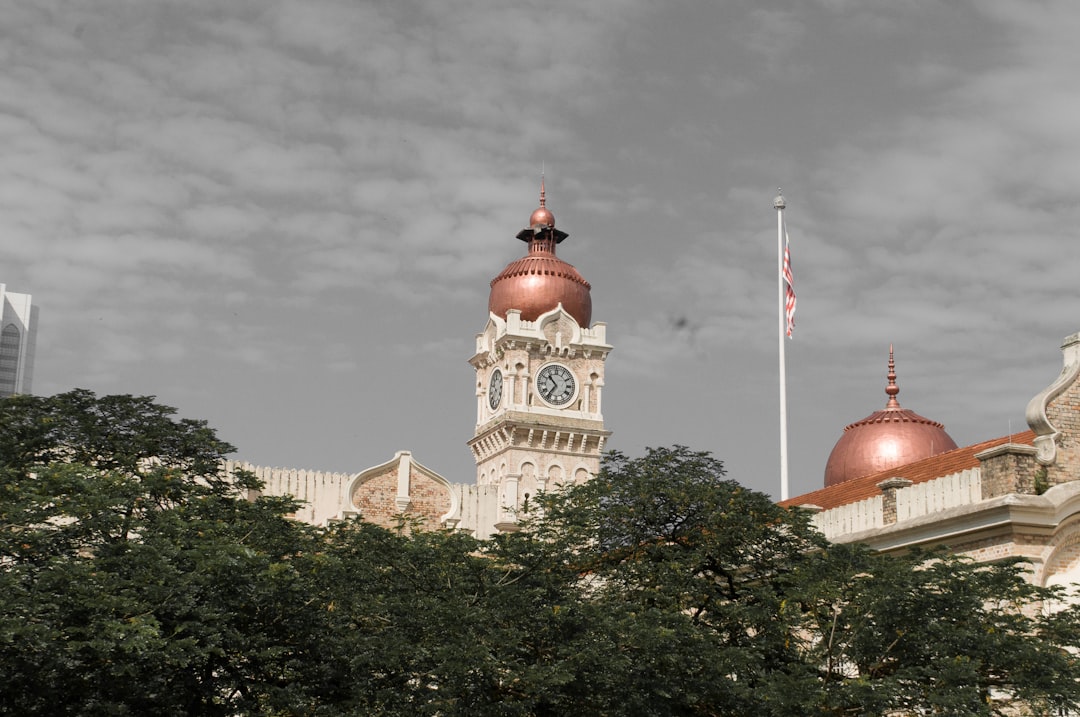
(927, 469)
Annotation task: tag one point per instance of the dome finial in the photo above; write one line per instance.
(542, 218)
(892, 389)
(779, 202)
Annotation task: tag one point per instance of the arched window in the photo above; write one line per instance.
(10, 339)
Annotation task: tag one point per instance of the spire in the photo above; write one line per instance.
(542, 223)
(892, 389)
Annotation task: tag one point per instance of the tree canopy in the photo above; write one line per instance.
(138, 579)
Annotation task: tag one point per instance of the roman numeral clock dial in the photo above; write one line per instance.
(555, 384)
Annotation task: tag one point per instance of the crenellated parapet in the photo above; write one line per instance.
(323, 493)
(556, 329)
(953, 512)
(382, 494)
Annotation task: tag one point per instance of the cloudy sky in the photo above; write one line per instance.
(282, 215)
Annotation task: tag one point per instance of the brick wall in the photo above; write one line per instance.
(1008, 544)
(888, 489)
(1064, 414)
(1009, 468)
(374, 498)
(1065, 559)
(429, 500)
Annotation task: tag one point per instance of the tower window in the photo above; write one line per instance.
(10, 340)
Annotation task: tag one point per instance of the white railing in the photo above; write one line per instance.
(915, 501)
(949, 491)
(850, 518)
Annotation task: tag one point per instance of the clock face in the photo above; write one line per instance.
(495, 389)
(555, 384)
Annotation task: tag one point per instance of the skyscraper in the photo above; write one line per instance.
(18, 333)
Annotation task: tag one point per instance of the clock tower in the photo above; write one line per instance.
(539, 376)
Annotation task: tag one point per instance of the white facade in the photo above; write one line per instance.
(18, 335)
(526, 441)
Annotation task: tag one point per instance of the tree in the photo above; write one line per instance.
(435, 624)
(727, 604)
(138, 579)
(931, 633)
(690, 570)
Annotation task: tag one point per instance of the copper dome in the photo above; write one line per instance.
(540, 281)
(542, 216)
(885, 439)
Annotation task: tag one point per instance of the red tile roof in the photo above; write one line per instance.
(927, 469)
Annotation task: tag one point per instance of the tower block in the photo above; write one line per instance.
(539, 376)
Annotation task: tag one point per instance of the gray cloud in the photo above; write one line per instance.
(252, 208)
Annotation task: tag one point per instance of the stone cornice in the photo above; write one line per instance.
(520, 419)
(1005, 449)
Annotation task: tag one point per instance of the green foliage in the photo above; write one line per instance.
(111, 433)
(1041, 484)
(689, 570)
(722, 603)
(932, 633)
(139, 580)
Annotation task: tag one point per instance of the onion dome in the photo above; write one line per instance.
(885, 439)
(540, 281)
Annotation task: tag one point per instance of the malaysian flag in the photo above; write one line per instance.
(789, 287)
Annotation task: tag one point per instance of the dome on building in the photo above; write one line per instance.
(541, 217)
(885, 439)
(540, 281)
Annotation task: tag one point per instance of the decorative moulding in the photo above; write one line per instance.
(1006, 449)
(893, 483)
(403, 461)
(1045, 432)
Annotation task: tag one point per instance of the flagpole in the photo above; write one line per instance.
(779, 204)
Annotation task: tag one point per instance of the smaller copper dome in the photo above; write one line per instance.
(885, 439)
(542, 217)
